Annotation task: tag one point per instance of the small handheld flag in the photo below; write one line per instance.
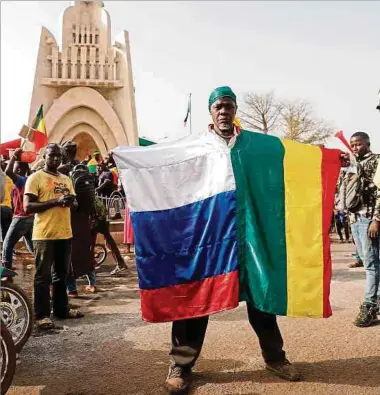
(40, 139)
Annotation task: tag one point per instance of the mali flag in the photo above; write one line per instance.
(40, 139)
(216, 225)
(92, 165)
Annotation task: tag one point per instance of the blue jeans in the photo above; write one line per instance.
(72, 282)
(20, 227)
(368, 250)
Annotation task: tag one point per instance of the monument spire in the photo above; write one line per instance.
(87, 86)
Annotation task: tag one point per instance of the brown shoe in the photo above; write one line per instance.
(367, 315)
(355, 264)
(284, 369)
(178, 380)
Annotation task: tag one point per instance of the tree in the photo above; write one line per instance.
(294, 120)
(298, 122)
(260, 111)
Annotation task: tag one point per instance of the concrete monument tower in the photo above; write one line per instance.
(87, 87)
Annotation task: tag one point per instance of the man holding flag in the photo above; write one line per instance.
(227, 216)
(188, 335)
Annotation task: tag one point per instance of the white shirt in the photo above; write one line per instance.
(232, 140)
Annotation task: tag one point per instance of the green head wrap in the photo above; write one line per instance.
(222, 91)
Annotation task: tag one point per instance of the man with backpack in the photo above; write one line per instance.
(69, 151)
(362, 200)
(83, 256)
(84, 187)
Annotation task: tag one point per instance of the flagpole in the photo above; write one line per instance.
(190, 111)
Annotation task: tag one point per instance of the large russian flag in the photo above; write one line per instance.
(215, 225)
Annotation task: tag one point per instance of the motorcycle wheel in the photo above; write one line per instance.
(100, 254)
(8, 359)
(16, 313)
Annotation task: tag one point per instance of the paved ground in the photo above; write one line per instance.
(111, 351)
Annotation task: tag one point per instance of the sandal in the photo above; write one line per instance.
(355, 264)
(91, 289)
(73, 314)
(45, 324)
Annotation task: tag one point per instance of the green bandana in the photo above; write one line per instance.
(223, 91)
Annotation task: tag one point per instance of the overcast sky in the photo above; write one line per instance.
(325, 52)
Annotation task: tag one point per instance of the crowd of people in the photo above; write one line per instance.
(59, 206)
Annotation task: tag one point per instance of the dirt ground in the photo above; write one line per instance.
(112, 351)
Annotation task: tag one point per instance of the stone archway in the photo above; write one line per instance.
(84, 119)
(88, 140)
(86, 145)
(75, 104)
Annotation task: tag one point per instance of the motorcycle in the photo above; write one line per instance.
(16, 309)
(8, 359)
(100, 254)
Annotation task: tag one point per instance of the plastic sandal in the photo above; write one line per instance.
(73, 314)
(45, 323)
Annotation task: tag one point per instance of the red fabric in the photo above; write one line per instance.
(40, 140)
(195, 299)
(128, 229)
(115, 178)
(330, 172)
(9, 145)
(18, 198)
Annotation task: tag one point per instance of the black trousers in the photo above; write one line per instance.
(52, 256)
(188, 337)
(6, 220)
(342, 226)
(103, 229)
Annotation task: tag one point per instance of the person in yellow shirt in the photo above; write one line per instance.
(50, 195)
(6, 212)
(94, 162)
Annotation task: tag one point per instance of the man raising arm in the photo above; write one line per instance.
(22, 223)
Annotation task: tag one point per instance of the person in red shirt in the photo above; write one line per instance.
(22, 223)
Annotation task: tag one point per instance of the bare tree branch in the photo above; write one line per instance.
(297, 122)
(260, 111)
(294, 120)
